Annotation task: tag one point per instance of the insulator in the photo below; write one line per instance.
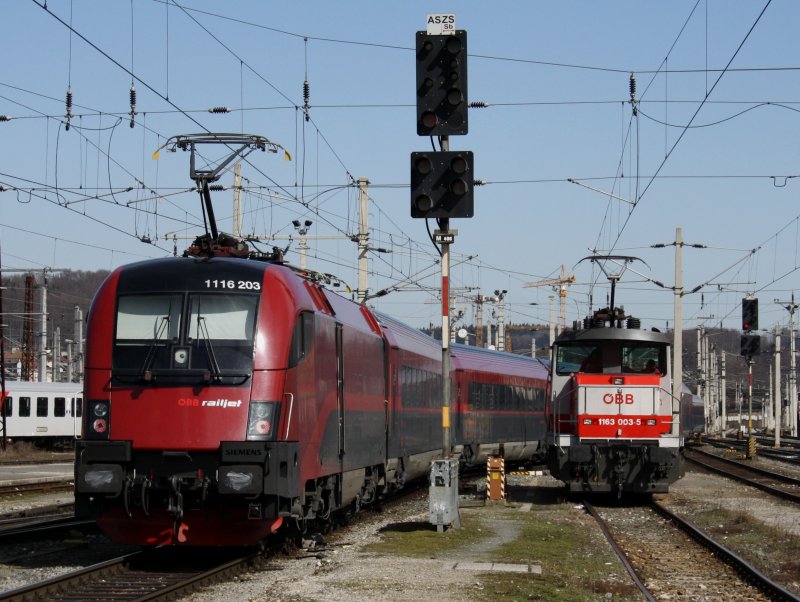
(478, 182)
(133, 105)
(219, 110)
(69, 107)
(633, 86)
(479, 104)
(216, 187)
(306, 95)
(5, 118)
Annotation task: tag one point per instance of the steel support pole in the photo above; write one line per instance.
(677, 337)
(363, 238)
(43, 335)
(778, 397)
(723, 394)
(446, 440)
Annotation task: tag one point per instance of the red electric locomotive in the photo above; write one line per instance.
(613, 425)
(224, 395)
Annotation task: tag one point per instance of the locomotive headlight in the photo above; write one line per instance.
(261, 422)
(99, 478)
(651, 422)
(100, 409)
(242, 479)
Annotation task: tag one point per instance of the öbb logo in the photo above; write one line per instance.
(618, 398)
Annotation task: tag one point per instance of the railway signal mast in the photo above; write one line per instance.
(442, 188)
(750, 346)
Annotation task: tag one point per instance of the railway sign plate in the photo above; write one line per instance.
(440, 24)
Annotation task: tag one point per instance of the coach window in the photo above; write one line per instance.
(41, 407)
(77, 406)
(24, 407)
(578, 358)
(9, 406)
(644, 359)
(59, 407)
(302, 338)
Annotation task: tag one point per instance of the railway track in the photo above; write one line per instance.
(161, 573)
(788, 452)
(27, 514)
(45, 487)
(774, 483)
(668, 558)
(150, 575)
(44, 527)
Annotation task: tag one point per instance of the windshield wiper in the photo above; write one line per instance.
(145, 373)
(202, 329)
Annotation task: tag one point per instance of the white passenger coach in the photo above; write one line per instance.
(43, 413)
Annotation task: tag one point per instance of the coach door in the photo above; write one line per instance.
(340, 391)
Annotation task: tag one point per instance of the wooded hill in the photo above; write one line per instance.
(68, 289)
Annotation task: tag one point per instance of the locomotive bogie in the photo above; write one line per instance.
(608, 467)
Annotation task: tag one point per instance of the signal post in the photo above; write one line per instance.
(750, 346)
(442, 188)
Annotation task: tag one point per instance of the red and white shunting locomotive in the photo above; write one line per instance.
(613, 425)
(224, 396)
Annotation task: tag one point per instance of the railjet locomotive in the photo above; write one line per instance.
(613, 425)
(227, 396)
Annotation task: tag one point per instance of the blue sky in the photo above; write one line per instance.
(721, 143)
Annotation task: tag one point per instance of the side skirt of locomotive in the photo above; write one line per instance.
(619, 466)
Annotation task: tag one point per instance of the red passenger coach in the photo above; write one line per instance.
(500, 402)
(224, 395)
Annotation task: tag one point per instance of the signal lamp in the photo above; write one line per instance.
(749, 314)
(441, 184)
(261, 420)
(442, 84)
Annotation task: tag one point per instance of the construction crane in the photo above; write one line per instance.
(560, 286)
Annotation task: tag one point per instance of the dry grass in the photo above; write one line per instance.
(771, 548)
(28, 451)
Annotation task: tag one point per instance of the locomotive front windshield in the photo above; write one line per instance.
(611, 357)
(182, 335)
